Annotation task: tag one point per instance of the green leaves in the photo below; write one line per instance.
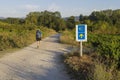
(108, 46)
(48, 19)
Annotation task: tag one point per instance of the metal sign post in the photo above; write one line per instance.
(81, 48)
(81, 35)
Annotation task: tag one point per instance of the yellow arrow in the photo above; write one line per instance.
(81, 35)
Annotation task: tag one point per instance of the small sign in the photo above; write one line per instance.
(81, 32)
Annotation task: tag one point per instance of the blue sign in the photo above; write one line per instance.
(81, 32)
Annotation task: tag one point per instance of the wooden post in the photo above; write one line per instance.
(81, 49)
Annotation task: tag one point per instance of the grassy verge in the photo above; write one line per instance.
(12, 40)
(79, 68)
(89, 67)
(102, 62)
(8, 51)
(68, 37)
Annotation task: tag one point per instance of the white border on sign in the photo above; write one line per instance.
(85, 33)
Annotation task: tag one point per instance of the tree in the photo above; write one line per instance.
(48, 19)
(32, 18)
(70, 22)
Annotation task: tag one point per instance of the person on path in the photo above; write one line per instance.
(38, 37)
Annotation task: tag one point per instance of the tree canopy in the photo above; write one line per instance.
(48, 19)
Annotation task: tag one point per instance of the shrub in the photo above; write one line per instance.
(18, 36)
(78, 67)
(102, 72)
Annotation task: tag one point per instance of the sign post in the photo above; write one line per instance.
(81, 35)
(81, 48)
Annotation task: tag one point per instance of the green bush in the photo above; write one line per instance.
(68, 37)
(18, 36)
(107, 51)
(78, 67)
(102, 72)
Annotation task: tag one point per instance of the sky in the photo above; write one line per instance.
(20, 8)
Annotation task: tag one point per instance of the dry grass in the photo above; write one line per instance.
(10, 41)
(102, 72)
(89, 68)
(68, 37)
(78, 67)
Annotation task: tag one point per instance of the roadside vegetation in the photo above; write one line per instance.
(101, 59)
(17, 33)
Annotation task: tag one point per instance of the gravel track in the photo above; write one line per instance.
(31, 63)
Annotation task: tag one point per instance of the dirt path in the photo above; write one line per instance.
(31, 63)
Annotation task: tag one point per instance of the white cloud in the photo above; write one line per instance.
(11, 12)
(53, 7)
(19, 10)
(31, 7)
(75, 12)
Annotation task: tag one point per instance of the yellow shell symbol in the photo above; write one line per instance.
(81, 35)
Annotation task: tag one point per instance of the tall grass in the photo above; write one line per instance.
(68, 37)
(46, 31)
(15, 40)
(89, 68)
(106, 51)
(18, 36)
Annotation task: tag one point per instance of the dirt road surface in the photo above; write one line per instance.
(31, 63)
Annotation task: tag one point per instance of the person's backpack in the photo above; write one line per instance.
(38, 34)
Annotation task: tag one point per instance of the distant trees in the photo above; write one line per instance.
(70, 23)
(106, 21)
(45, 18)
(82, 19)
(11, 20)
(48, 19)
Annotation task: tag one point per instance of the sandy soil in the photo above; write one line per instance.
(32, 63)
